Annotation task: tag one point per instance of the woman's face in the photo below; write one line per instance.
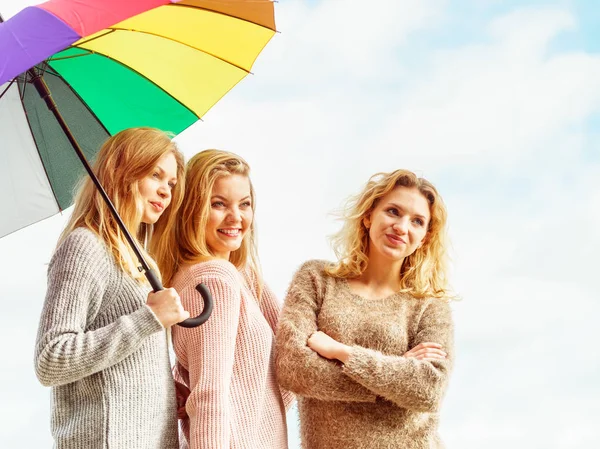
(230, 216)
(155, 189)
(398, 224)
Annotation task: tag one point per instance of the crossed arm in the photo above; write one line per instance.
(312, 364)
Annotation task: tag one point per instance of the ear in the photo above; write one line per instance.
(367, 221)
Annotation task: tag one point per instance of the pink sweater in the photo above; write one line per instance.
(235, 401)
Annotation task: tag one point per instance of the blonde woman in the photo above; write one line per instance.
(101, 343)
(226, 364)
(366, 343)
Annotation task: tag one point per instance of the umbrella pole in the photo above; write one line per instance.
(42, 88)
(155, 282)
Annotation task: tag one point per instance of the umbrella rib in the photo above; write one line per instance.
(25, 83)
(179, 5)
(52, 59)
(98, 36)
(183, 43)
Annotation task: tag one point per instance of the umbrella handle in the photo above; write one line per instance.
(202, 289)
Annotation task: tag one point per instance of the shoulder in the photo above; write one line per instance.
(250, 275)
(435, 309)
(216, 268)
(253, 280)
(210, 271)
(82, 238)
(82, 259)
(83, 245)
(313, 268)
(311, 276)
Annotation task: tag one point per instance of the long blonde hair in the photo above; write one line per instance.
(424, 272)
(187, 240)
(122, 162)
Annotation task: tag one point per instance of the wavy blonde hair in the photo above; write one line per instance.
(123, 161)
(424, 272)
(187, 240)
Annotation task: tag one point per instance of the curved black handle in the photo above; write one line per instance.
(202, 289)
(208, 307)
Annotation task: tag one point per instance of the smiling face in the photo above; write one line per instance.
(398, 224)
(155, 188)
(230, 215)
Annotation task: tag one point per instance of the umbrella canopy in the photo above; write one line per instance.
(110, 65)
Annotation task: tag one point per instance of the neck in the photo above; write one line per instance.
(382, 272)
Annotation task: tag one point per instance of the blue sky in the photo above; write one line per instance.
(498, 104)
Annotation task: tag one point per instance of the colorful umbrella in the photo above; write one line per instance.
(111, 65)
(73, 72)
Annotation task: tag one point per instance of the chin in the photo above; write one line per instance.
(150, 221)
(233, 248)
(392, 254)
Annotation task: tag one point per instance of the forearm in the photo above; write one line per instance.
(409, 383)
(67, 355)
(305, 373)
(299, 368)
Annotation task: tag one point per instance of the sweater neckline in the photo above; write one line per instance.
(346, 286)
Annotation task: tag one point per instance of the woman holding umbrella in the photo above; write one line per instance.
(233, 399)
(366, 343)
(101, 343)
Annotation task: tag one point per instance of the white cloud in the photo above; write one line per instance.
(336, 41)
(9, 8)
(498, 102)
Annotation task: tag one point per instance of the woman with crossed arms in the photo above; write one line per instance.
(366, 342)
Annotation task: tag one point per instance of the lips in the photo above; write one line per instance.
(395, 240)
(230, 232)
(158, 206)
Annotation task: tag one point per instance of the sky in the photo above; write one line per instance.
(495, 102)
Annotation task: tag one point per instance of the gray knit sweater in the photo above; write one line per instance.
(104, 353)
(378, 399)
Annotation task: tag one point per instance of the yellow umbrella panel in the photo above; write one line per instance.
(168, 66)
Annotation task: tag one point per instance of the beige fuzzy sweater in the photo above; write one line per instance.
(378, 399)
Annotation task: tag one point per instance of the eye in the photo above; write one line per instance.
(218, 204)
(246, 204)
(156, 175)
(172, 185)
(393, 211)
(419, 222)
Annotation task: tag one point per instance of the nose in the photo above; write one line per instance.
(401, 225)
(234, 215)
(164, 190)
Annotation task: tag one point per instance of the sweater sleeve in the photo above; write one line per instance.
(78, 278)
(271, 310)
(209, 350)
(299, 368)
(270, 307)
(409, 383)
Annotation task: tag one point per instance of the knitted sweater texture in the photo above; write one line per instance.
(104, 353)
(378, 399)
(235, 401)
